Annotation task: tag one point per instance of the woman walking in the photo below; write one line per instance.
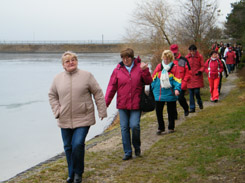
(70, 97)
(127, 80)
(196, 80)
(214, 69)
(166, 87)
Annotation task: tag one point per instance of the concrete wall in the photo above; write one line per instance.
(60, 48)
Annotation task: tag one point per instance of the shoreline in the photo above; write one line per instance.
(89, 144)
(59, 48)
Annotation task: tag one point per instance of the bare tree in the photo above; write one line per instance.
(151, 21)
(198, 18)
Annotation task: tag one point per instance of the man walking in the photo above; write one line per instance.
(183, 69)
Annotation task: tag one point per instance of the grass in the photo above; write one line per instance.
(202, 145)
(208, 147)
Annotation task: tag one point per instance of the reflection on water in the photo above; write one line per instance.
(29, 133)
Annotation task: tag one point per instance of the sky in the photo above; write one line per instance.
(63, 20)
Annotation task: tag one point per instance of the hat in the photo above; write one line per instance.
(174, 48)
(230, 47)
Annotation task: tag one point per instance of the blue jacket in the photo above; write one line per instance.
(162, 94)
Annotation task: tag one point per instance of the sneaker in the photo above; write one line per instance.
(201, 106)
(186, 113)
(77, 178)
(192, 110)
(171, 131)
(138, 152)
(159, 132)
(127, 157)
(215, 101)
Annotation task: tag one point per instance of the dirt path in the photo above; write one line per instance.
(149, 134)
(110, 142)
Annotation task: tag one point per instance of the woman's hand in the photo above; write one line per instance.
(176, 92)
(143, 65)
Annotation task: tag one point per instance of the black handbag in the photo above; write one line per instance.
(147, 102)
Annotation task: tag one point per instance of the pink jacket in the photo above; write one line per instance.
(127, 85)
(197, 68)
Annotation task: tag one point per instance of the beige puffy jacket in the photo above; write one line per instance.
(70, 97)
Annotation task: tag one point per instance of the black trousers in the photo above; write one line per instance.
(220, 82)
(182, 100)
(171, 109)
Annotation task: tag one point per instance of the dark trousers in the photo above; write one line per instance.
(220, 82)
(74, 146)
(182, 100)
(171, 109)
(195, 92)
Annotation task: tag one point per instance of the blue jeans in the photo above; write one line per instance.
(130, 119)
(230, 67)
(192, 92)
(74, 146)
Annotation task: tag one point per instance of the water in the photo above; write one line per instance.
(29, 133)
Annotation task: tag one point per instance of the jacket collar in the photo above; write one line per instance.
(73, 72)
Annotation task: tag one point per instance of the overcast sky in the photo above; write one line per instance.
(70, 19)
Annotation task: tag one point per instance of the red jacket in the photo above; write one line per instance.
(182, 70)
(213, 68)
(127, 85)
(197, 68)
(230, 57)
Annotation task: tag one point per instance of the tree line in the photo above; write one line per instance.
(158, 23)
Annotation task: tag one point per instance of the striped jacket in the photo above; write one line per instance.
(162, 94)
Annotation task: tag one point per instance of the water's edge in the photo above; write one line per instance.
(62, 155)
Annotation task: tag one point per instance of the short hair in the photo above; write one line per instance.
(127, 53)
(193, 47)
(212, 52)
(168, 54)
(68, 53)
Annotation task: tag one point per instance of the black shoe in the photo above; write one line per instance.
(127, 157)
(201, 106)
(171, 131)
(159, 132)
(215, 101)
(192, 110)
(77, 178)
(69, 180)
(137, 152)
(186, 113)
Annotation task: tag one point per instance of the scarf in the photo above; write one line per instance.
(164, 79)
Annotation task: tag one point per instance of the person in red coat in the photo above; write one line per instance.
(196, 82)
(183, 69)
(127, 80)
(214, 69)
(230, 59)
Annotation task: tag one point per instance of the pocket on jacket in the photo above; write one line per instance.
(81, 108)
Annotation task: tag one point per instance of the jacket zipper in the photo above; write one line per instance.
(71, 101)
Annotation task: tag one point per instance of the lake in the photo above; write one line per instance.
(29, 133)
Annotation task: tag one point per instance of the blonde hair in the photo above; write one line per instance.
(168, 54)
(68, 53)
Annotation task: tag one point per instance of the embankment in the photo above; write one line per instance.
(60, 48)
